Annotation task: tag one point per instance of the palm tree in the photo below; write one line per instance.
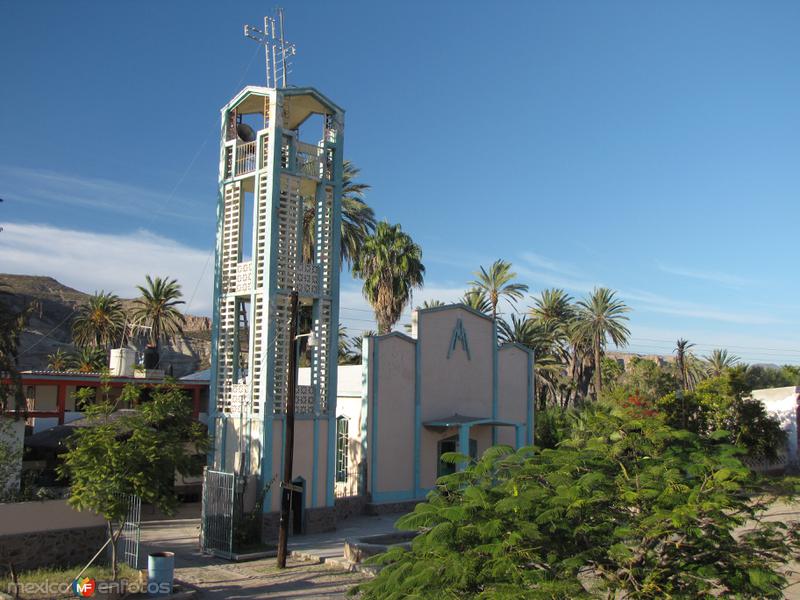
(476, 299)
(552, 306)
(344, 345)
(520, 330)
(682, 359)
(157, 308)
(719, 361)
(430, 304)
(358, 218)
(498, 282)
(601, 316)
(58, 360)
(100, 321)
(390, 263)
(89, 359)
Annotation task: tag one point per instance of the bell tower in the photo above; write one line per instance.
(278, 230)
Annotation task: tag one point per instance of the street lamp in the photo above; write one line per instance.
(288, 453)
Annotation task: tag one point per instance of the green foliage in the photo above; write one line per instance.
(12, 322)
(551, 427)
(58, 360)
(497, 282)
(643, 378)
(89, 359)
(390, 264)
(718, 404)
(358, 218)
(99, 322)
(132, 452)
(625, 507)
(157, 308)
(600, 317)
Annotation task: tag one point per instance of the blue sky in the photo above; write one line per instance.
(649, 147)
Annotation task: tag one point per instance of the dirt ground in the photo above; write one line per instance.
(219, 579)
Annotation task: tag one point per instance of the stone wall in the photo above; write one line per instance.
(54, 548)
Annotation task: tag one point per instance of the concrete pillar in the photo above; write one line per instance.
(463, 443)
(62, 402)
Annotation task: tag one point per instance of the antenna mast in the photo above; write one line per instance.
(276, 49)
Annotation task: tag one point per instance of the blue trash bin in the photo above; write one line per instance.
(160, 573)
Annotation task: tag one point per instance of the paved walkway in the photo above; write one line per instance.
(217, 578)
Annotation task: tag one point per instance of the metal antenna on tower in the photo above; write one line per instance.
(276, 49)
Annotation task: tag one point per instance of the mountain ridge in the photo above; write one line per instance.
(49, 327)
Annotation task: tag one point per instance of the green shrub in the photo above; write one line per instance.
(624, 507)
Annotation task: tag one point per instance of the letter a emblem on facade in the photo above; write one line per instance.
(459, 335)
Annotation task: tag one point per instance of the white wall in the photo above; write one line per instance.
(782, 403)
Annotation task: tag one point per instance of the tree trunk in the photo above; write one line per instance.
(113, 544)
(598, 376)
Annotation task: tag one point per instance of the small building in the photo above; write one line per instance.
(784, 404)
(50, 396)
(449, 387)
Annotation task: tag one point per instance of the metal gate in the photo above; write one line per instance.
(219, 501)
(128, 543)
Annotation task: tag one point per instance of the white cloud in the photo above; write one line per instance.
(647, 301)
(710, 276)
(538, 261)
(40, 186)
(90, 261)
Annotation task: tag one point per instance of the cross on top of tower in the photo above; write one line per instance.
(277, 50)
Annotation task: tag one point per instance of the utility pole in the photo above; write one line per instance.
(288, 452)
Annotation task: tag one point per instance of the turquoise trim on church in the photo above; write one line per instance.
(333, 354)
(417, 412)
(495, 380)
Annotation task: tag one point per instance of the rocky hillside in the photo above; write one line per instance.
(50, 326)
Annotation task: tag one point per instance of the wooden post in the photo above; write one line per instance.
(62, 402)
(288, 452)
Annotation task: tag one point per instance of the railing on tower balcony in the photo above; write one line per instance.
(245, 158)
(244, 276)
(308, 160)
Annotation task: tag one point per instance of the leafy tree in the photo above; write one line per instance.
(157, 308)
(358, 219)
(390, 264)
(719, 361)
(720, 404)
(135, 452)
(12, 322)
(600, 317)
(58, 360)
(89, 359)
(498, 282)
(100, 322)
(624, 507)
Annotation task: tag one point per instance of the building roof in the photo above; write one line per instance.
(54, 437)
(202, 376)
(457, 420)
(191, 379)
